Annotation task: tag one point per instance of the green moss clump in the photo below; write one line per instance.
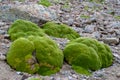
(20, 56)
(49, 56)
(45, 3)
(60, 30)
(85, 54)
(35, 54)
(23, 28)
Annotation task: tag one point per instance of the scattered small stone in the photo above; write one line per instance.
(118, 75)
(2, 32)
(96, 34)
(24, 77)
(75, 76)
(115, 25)
(89, 28)
(69, 77)
(19, 73)
(111, 41)
(2, 57)
(70, 21)
(2, 23)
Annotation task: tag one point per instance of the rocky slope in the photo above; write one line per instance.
(88, 19)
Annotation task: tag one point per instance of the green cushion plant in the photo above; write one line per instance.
(60, 30)
(23, 28)
(86, 54)
(20, 56)
(35, 54)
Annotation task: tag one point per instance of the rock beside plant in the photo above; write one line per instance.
(35, 55)
(60, 30)
(86, 54)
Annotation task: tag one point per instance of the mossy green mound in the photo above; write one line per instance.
(60, 30)
(23, 28)
(49, 56)
(20, 56)
(85, 54)
(35, 55)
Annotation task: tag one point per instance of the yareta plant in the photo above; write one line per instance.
(86, 54)
(20, 56)
(35, 54)
(60, 30)
(24, 28)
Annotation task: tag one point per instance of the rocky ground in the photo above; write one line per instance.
(88, 19)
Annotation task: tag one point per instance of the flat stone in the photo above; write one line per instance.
(111, 41)
(2, 32)
(118, 75)
(96, 34)
(89, 28)
(115, 25)
(70, 21)
(2, 57)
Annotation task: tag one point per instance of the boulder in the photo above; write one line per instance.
(31, 12)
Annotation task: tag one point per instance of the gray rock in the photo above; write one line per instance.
(32, 12)
(2, 23)
(89, 28)
(65, 78)
(96, 34)
(118, 75)
(2, 32)
(115, 25)
(117, 57)
(111, 41)
(70, 21)
(2, 56)
(117, 31)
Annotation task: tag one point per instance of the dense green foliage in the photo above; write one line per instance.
(35, 54)
(86, 54)
(23, 28)
(49, 56)
(60, 30)
(20, 56)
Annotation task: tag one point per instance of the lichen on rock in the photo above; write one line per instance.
(23, 28)
(60, 30)
(86, 54)
(35, 54)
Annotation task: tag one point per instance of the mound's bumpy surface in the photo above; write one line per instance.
(86, 54)
(23, 28)
(35, 54)
(60, 30)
